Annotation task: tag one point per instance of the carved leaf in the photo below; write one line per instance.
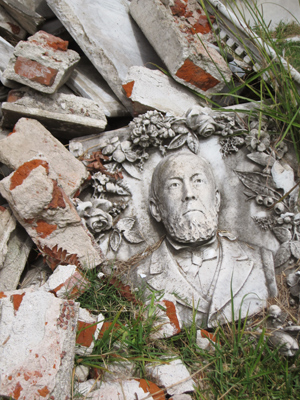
(282, 234)
(125, 224)
(283, 254)
(178, 141)
(133, 236)
(131, 170)
(295, 248)
(192, 142)
(121, 191)
(261, 158)
(258, 183)
(115, 240)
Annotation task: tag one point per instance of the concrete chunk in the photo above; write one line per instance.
(43, 62)
(48, 216)
(108, 37)
(10, 30)
(174, 31)
(169, 375)
(26, 17)
(65, 115)
(87, 82)
(30, 138)
(149, 89)
(15, 246)
(37, 353)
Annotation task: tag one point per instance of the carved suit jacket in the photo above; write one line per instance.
(246, 275)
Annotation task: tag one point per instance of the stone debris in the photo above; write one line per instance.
(15, 246)
(173, 376)
(48, 215)
(43, 62)
(173, 29)
(10, 30)
(64, 115)
(81, 373)
(167, 322)
(87, 82)
(30, 138)
(130, 389)
(204, 340)
(23, 12)
(112, 51)
(66, 282)
(181, 397)
(89, 328)
(37, 351)
(152, 89)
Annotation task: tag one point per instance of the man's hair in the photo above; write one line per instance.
(163, 164)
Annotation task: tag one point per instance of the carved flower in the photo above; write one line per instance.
(199, 121)
(99, 221)
(259, 142)
(281, 149)
(100, 181)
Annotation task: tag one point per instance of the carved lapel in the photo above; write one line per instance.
(234, 271)
(166, 276)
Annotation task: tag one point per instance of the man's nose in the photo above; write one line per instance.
(188, 192)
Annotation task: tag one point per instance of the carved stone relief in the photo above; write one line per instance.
(220, 210)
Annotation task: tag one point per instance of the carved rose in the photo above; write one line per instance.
(200, 122)
(99, 221)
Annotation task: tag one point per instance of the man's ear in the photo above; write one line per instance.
(218, 200)
(154, 210)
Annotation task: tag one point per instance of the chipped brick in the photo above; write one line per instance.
(35, 71)
(58, 197)
(44, 229)
(44, 392)
(24, 170)
(150, 387)
(85, 337)
(49, 40)
(172, 314)
(196, 76)
(17, 300)
(128, 87)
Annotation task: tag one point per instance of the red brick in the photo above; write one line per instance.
(17, 300)
(128, 87)
(44, 229)
(150, 387)
(57, 197)
(196, 76)
(54, 42)
(172, 315)
(85, 337)
(24, 170)
(35, 71)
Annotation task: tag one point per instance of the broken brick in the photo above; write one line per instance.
(35, 71)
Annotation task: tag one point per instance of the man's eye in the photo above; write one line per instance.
(174, 185)
(198, 180)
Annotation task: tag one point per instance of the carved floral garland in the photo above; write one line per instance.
(270, 188)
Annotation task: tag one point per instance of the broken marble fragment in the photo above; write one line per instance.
(173, 374)
(29, 138)
(108, 36)
(87, 82)
(180, 33)
(167, 322)
(48, 215)
(43, 62)
(37, 345)
(152, 89)
(130, 389)
(65, 115)
(23, 14)
(66, 282)
(10, 30)
(15, 246)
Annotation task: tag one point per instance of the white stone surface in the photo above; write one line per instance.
(186, 56)
(37, 50)
(152, 89)
(81, 373)
(48, 216)
(29, 139)
(86, 81)
(64, 115)
(108, 37)
(171, 374)
(9, 28)
(36, 355)
(7, 226)
(67, 282)
(124, 390)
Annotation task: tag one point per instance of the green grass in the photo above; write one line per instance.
(242, 366)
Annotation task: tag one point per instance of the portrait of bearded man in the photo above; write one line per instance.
(204, 268)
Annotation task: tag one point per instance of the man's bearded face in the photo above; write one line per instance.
(188, 201)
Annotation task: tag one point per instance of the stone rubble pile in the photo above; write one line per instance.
(71, 69)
